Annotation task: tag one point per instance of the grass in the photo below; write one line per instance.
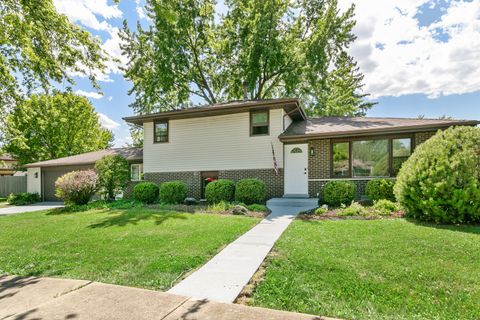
(380, 269)
(135, 247)
(3, 199)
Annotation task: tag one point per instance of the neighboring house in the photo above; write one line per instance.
(241, 139)
(7, 165)
(41, 176)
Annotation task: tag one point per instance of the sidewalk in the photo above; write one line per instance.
(224, 276)
(30, 208)
(48, 298)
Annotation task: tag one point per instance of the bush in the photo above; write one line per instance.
(385, 207)
(378, 189)
(114, 174)
(146, 192)
(77, 187)
(24, 198)
(250, 191)
(321, 210)
(219, 207)
(355, 209)
(336, 193)
(440, 181)
(220, 190)
(173, 192)
(257, 208)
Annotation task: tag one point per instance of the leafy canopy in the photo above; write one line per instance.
(40, 47)
(53, 126)
(114, 174)
(270, 48)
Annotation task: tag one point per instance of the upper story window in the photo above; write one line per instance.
(259, 123)
(160, 131)
(136, 171)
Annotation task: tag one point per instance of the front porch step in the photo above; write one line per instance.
(293, 202)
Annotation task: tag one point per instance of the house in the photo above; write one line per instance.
(41, 176)
(8, 165)
(272, 140)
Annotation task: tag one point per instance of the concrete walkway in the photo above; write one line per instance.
(224, 276)
(48, 298)
(29, 208)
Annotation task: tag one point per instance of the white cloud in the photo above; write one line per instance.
(110, 98)
(400, 56)
(93, 95)
(107, 122)
(140, 10)
(112, 47)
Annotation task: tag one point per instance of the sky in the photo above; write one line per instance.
(419, 57)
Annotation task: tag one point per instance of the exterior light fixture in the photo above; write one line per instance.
(312, 151)
(36, 175)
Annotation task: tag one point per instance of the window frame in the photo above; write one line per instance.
(389, 139)
(140, 171)
(155, 131)
(252, 112)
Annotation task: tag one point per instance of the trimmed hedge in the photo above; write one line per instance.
(378, 189)
(250, 191)
(220, 190)
(24, 198)
(173, 192)
(77, 187)
(146, 192)
(336, 193)
(440, 182)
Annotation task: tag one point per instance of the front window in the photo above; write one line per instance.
(341, 160)
(160, 132)
(370, 158)
(401, 150)
(136, 172)
(259, 123)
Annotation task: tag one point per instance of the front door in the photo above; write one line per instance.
(296, 170)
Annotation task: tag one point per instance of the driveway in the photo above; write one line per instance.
(29, 208)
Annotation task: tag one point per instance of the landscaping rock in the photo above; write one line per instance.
(239, 210)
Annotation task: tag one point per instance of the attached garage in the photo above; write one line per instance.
(41, 176)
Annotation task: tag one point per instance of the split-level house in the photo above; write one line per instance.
(275, 141)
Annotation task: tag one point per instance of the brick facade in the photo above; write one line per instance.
(421, 137)
(193, 179)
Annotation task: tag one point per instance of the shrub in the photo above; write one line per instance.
(336, 193)
(378, 189)
(218, 207)
(24, 198)
(321, 210)
(173, 192)
(250, 191)
(77, 187)
(355, 209)
(220, 190)
(146, 192)
(440, 181)
(257, 207)
(114, 174)
(385, 207)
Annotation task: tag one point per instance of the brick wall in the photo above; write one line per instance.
(421, 137)
(273, 182)
(319, 163)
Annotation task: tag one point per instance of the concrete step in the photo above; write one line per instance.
(293, 202)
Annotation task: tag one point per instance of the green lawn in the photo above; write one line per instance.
(381, 269)
(135, 247)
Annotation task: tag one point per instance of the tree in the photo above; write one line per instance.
(52, 126)
(270, 48)
(40, 47)
(114, 174)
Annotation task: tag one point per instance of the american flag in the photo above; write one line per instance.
(275, 166)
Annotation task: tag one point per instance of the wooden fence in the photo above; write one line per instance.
(9, 184)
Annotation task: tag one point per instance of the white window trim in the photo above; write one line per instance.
(140, 171)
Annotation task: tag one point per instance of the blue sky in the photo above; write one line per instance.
(419, 57)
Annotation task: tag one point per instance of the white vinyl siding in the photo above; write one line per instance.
(287, 121)
(213, 143)
(34, 185)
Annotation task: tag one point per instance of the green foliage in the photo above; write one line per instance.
(146, 192)
(220, 190)
(41, 47)
(114, 174)
(77, 187)
(385, 207)
(219, 207)
(250, 191)
(99, 205)
(321, 210)
(173, 192)
(336, 193)
(24, 198)
(378, 189)
(440, 182)
(47, 127)
(354, 209)
(257, 207)
(274, 48)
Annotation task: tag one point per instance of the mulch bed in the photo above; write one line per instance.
(333, 215)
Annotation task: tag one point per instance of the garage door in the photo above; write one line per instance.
(50, 175)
